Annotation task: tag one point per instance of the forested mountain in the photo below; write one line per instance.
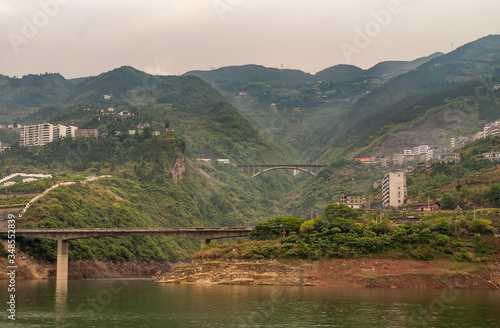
(344, 110)
(192, 108)
(294, 106)
(247, 114)
(473, 64)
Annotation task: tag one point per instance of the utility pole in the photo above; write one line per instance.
(456, 218)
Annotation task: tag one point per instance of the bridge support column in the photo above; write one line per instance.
(205, 242)
(62, 260)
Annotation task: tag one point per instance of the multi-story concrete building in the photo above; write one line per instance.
(87, 133)
(42, 134)
(491, 156)
(60, 131)
(451, 158)
(491, 129)
(36, 135)
(353, 201)
(429, 155)
(394, 189)
(71, 131)
(453, 143)
(423, 149)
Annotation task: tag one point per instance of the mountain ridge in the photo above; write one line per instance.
(337, 73)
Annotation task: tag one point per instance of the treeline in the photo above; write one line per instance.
(338, 235)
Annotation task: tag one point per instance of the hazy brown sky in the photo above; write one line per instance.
(87, 37)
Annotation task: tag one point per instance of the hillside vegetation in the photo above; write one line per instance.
(336, 234)
(252, 114)
(292, 105)
(140, 193)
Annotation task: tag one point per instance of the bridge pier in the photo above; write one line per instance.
(62, 259)
(205, 242)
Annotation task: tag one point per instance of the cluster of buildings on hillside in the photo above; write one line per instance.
(140, 130)
(417, 153)
(10, 126)
(427, 153)
(394, 189)
(490, 129)
(42, 134)
(110, 111)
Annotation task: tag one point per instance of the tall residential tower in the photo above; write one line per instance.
(394, 189)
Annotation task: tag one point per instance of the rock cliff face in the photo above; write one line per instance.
(340, 273)
(178, 168)
(241, 273)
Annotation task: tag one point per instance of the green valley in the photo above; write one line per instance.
(167, 147)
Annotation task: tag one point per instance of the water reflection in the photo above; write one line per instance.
(61, 297)
(145, 304)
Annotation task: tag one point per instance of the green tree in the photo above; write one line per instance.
(442, 226)
(274, 228)
(494, 194)
(340, 211)
(450, 200)
(481, 226)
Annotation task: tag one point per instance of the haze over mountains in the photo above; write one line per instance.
(337, 73)
(339, 111)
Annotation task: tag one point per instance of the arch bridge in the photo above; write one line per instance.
(257, 169)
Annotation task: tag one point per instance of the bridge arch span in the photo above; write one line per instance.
(283, 168)
(257, 169)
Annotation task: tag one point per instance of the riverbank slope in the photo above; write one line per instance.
(339, 273)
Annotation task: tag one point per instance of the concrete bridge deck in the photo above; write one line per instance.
(193, 233)
(64, 235)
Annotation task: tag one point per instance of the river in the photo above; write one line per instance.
(42, 303)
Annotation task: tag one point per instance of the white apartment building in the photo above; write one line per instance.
(36, 135)
(491, 129)
(394, 189)
(42, 134)
(423, 149)
(71, 131)
(59, 131)
(429, 155)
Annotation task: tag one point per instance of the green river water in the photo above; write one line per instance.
(147, 304)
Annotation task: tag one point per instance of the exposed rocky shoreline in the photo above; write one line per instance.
(334, 272)
(339, 273)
